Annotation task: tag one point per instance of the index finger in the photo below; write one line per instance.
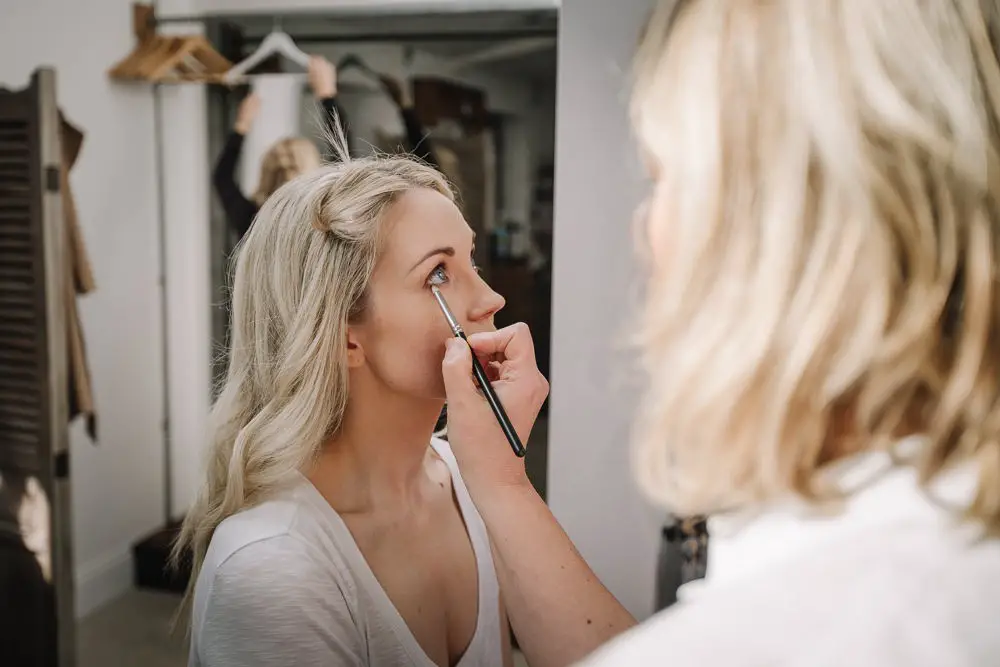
(513, 342)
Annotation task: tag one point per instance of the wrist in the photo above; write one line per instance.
(325, 93)
(496, 502)
(498, 486)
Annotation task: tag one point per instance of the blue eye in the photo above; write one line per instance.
(438, 276)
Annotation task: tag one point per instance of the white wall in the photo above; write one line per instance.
(117, 484)
(598, 185)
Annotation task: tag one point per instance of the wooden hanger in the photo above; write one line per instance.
(168, 59)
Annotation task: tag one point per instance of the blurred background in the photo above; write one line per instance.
(114, 251)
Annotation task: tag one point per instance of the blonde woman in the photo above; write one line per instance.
(289, 157)
(822, 337)
(283, 161)
(332, 529)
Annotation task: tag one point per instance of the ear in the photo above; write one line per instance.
(355, 352)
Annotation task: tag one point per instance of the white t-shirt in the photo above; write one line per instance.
(284, 583)
(890, 581)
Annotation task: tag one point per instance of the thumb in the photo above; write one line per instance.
(457, 369)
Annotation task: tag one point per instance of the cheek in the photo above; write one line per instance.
(408, 348)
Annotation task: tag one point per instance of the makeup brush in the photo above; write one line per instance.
(480, 373)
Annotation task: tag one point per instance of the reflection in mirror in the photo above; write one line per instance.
(473, 94)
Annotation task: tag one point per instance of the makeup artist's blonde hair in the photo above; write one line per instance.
(301, 276)
(283, 161)
(826, 231)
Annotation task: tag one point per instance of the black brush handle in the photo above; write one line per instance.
(494, 401)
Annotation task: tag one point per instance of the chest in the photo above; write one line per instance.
(425, 563)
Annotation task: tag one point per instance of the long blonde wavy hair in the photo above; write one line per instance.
(828, 204)
(301, 276)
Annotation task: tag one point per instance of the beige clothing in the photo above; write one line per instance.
(79, 281)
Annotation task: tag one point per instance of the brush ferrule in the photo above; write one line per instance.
(456, 328)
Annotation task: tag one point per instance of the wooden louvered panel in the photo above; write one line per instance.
(33, 342)
(12, 340)
(26, 410)
(12, 247)
(20, 392)
(17, 416)
(18, 459)
(19, 405)
(14, 361)
(16, 252)
(15, 304)
(21, 374)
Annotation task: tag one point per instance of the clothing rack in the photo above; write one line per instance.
(528, 24)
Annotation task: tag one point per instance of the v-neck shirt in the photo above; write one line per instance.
(285, 583)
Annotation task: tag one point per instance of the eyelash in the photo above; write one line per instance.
(439, 276)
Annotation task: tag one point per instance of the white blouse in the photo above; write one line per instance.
(891, 579)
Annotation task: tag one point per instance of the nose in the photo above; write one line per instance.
(485, 304)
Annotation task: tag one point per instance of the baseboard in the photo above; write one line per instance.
(102, 580)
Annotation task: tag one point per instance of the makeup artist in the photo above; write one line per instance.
(283, 161)
(822, 341)
(292, 156)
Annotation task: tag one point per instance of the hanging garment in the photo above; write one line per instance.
(279, 118)
(240, 210)
(79, 281)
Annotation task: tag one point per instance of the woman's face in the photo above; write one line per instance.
(401, 338)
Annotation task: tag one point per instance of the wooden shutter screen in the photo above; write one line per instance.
(33, 342)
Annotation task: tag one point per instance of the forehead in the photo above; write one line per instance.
(420, 221)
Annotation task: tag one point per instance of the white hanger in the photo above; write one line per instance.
(276, 42)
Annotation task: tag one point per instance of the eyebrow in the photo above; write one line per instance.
(447, 250)
(444, 250)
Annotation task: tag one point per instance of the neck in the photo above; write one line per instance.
(377, 459)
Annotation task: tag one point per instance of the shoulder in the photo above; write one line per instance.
(257, 528)
(279, 543)
(278, 567)
(277, 551)
(274, 600)
(904, 600)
